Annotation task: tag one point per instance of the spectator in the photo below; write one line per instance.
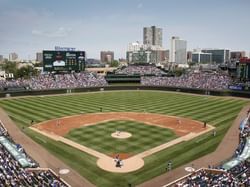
(202, 80)
(13, 174)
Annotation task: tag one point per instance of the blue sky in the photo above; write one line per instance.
(29, 26)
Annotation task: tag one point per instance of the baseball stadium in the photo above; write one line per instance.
(80, 129)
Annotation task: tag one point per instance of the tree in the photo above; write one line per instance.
(26, 72)
(10, 67)
(114, 63)
(23, 72)
(40, 64)
(191, 63)
(179, 71)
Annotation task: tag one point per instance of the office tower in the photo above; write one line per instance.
(13, 56)
(189, 56)
(159, 56)
(178, 50)
(107, 56)
(141, 53)
(200, 57)
(219, 56)
(1, 58)
(39, 57)
(152, 36)
(135, 46)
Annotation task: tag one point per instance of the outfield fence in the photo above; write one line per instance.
(245, 94)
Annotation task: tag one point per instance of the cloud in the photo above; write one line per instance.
(58, 33)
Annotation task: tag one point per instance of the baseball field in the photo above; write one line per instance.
(216, 111)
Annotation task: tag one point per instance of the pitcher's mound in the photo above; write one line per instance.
(121, 134)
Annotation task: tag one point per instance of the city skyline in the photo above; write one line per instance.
(28, 27)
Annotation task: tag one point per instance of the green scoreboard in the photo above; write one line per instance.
(63, 60)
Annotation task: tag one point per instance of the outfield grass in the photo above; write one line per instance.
(98, 137)
(219, 112)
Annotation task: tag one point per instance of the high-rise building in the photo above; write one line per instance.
(1, 58)
(136, 46)
(152, 36)
(107, 56)
(141, 53)
(237, 55)
(201, 57)
(219, 56)
(178, 50)
(189, 56)
(13, 56)
(39, 57)
(159, 55)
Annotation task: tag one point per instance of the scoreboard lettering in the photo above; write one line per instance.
(63, 60)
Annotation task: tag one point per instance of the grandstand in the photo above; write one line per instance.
(234, 172)
(27, 172)
(201, 80)
(213, 177)
(17, 168)
(145, 75)
(54, 81)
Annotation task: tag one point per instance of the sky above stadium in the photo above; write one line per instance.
(29, 26)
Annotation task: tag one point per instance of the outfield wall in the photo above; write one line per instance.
(132, 87)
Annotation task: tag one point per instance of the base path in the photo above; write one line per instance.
(186, 129)
(181, 126)
(40, 154)
(224, 151)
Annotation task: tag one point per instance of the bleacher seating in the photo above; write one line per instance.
(55, 81)
(201, 80)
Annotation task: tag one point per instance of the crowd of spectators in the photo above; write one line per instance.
(243, 135)
(12, 84)
(238, 175)
(12, 174)
(140, 70)
(242, 172)
(40, 82)
(206, 177)
(201, 80)
(56, 81)
(90, 80)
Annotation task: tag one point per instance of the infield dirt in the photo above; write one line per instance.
(181, 126)
(185, 128)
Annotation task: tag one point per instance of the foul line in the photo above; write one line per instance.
(140, 155)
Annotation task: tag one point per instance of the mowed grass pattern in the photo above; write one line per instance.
(217, 111)
(98, 137)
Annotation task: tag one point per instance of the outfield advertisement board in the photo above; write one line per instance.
(63, 60)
